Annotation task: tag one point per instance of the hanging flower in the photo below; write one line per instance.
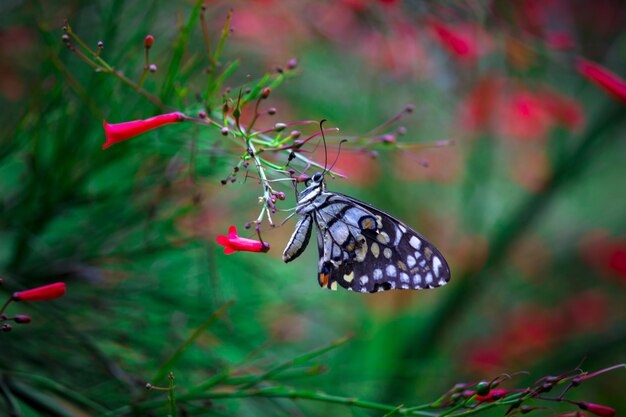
(603, 78)
(233, 243)
(47, 292)
(122, 131)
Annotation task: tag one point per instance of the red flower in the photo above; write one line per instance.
(602, 77)
(493, 395)
(462, 41)
(47, 292)
(597, 409)
(121, 131)
(233, 243)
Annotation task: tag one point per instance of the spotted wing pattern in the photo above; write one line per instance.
(367, 250)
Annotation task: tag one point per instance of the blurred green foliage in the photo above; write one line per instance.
(531, 225)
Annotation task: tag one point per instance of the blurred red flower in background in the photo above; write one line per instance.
(514, 111)
(464, 41)
(531, 331)
(603, 78)
(606, 254)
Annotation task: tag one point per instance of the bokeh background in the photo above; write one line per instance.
(528, 205)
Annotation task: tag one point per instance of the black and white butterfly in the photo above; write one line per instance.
(362, 248)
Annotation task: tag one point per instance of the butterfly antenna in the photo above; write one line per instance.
(338, 153)
(325, 148)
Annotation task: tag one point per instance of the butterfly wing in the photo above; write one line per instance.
(365, 249)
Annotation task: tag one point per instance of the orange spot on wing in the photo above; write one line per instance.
(324, 278)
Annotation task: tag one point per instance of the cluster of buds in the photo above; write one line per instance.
(47, 292)
(473, 395)
(276, 152)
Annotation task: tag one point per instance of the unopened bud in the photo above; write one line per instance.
(401, 130)
(149, 386)
(225, 108)
(265, 93)
(148, 41)
(152, 68)
(279, 70)
(279, 127)
(597, 409)
(292, 63)
(202, 114)
(482, 388)
(280, 195)
(409, 108)
(271, 111)
(224, 131)
(65, 38)
(21, 319)
(295, 134)
(100, 45)
(6, 327)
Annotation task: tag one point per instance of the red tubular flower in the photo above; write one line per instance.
(493, 395)
(597, 409)
(233, 243)
(47, 292)
(602, 77)
(456, 41)
(122, 131)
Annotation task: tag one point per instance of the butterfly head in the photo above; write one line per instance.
(314, 187)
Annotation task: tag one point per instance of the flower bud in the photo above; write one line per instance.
(65, 38)
(152, 68)
(597, 409)
(265, 93)
(148, 41)
(202, 114)
(21, 319)
(47, 292)
(482, 388)
(6, 327)
(279, 127)
(295, 134)
(100, 45)
(224, 131)
(409, 108)
(271, 111)
(292, 63)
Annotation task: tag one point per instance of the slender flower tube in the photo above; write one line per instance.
(47, 292)
(603, 78)
(597, 409)
(122, 131)
(233, 243)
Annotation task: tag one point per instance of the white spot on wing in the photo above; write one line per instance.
(391, 270)
(387, 253)
(417, 280)
(364, 280)
(429, 278)
(383, 238)
(415, 242)
(349, 277)
(378, 274)
(402, 228)
(436, 265)
(404, 277)
(410, 261)
(405, 286)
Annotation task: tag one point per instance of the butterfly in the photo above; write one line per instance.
(362, 248)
